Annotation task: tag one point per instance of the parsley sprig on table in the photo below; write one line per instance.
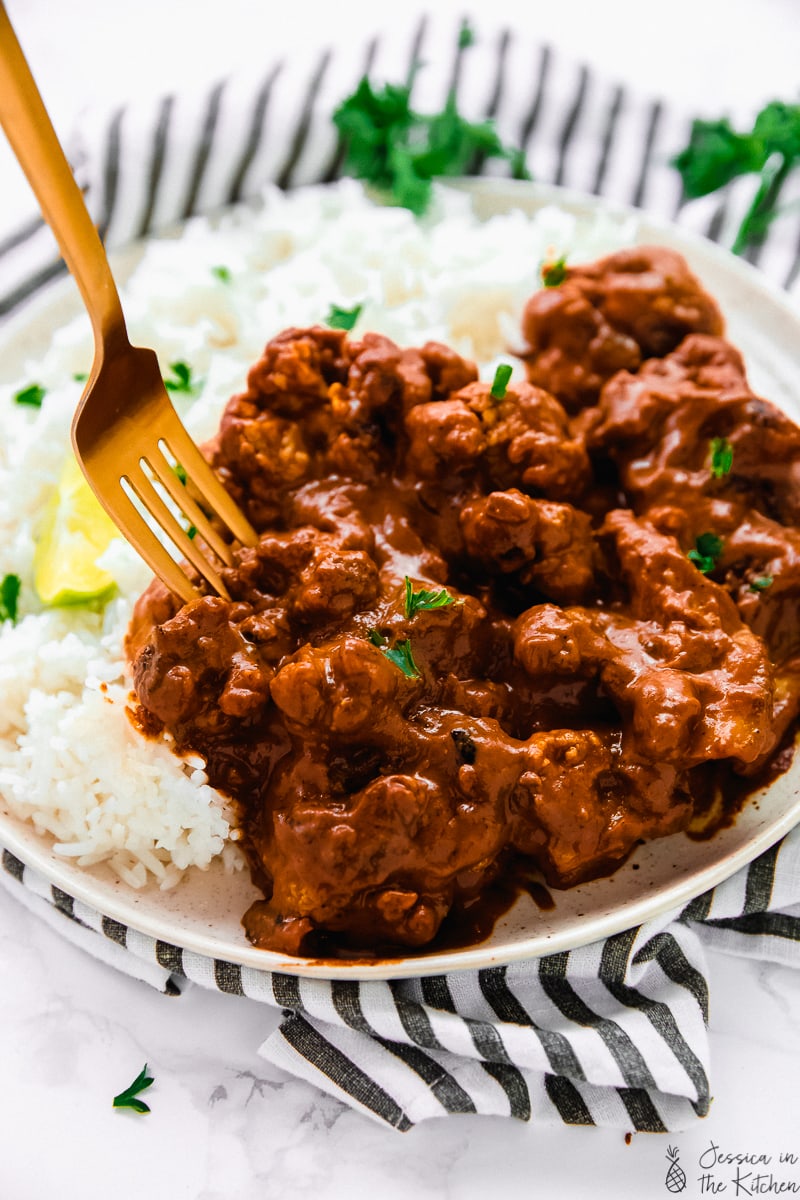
(400, 151)
(128, 1098)
(717, 154)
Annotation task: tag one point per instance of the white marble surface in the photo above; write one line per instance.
(224, 1123)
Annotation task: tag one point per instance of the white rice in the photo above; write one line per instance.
(70, 760)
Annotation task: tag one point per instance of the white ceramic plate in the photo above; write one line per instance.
(203, 913)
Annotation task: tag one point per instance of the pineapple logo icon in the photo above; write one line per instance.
(676, 1176)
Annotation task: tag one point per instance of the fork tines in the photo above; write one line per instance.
(158, 466)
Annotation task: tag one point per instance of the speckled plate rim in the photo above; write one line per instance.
(203, 913)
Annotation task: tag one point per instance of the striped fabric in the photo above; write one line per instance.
(150, 164)
(614, 1033)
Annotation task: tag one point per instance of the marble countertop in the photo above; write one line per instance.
(224, 1123)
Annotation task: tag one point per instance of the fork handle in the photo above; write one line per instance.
(24, 118)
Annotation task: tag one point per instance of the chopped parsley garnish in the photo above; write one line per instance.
(761, 583)
(400, 151)
(721, 457)
(81, 376)
(180, 473)
(424, 599)
(500, 382)
(9, 595)
(400, 654)
(191, 532)
(554, 273)
(717, 154)
(181, 379)
(223, 274)
(33, 395)
(343, 318)
(706, 552)
(127, 1099)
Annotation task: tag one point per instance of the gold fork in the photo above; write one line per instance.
(125, 433)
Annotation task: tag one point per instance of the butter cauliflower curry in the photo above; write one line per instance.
(486, 624)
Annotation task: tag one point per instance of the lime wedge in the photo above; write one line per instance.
(75, 531)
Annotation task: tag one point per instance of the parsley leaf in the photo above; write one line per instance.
(181, 379)
(343, 318)
(127, 1099)
(466, 35)
(415, 601)
(81, 376)
(500, 383)
(554, 273)
(706, 552)
(717, 154)
(223, 274)
(721, 457)
(400, 151)
(400, 654)
(9, 595)
(761, 584)
(33, 395)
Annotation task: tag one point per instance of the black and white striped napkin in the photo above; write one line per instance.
(614, 1033)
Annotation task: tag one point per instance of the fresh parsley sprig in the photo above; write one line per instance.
(721, 457)
(400, 654)
(761, 583)
(343, 318)
(424, 599)
(400, 151)
(128, 1098)
(9, 596)
(717, 154)
(706, 552)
